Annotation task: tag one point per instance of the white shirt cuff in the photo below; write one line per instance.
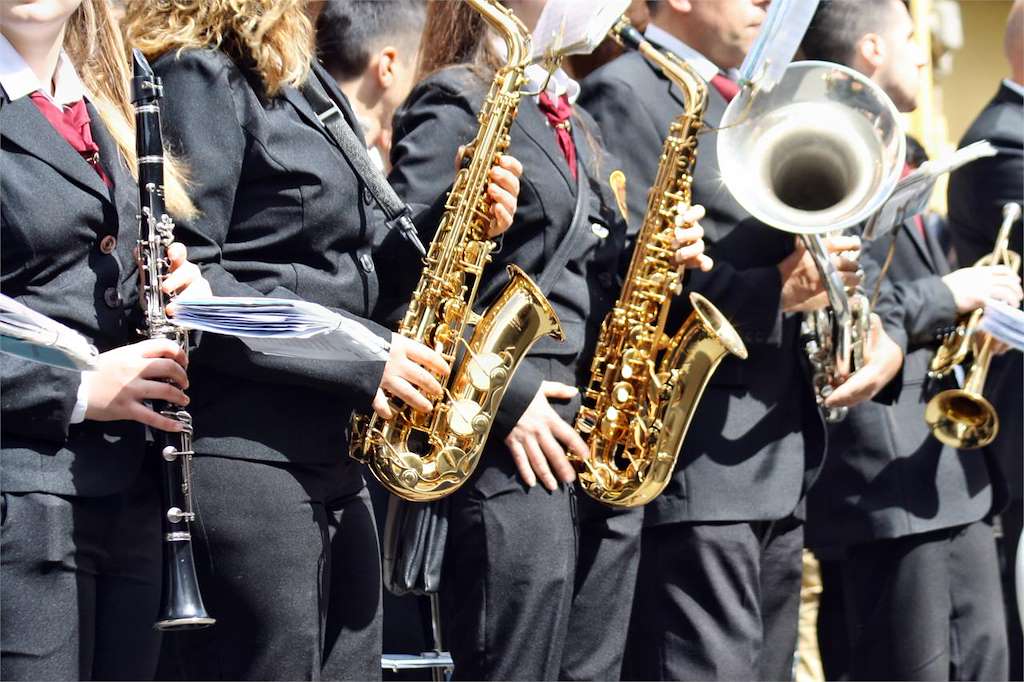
(82, 401)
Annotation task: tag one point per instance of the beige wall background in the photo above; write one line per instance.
(977, 68)
(953, 96)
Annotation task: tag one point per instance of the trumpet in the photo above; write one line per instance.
(819, 152)
(964, 418)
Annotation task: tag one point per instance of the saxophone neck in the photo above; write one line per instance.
(510, 28)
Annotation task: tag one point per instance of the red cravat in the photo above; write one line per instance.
(73, 125)
(558, 114)
(726, 87)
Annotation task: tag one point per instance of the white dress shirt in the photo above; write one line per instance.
(701, 64)
(1014, 85)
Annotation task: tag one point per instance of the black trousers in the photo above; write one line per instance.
(532, 588)
(606, 568)
(289, 565)
(716, 601)
(926, 607)
(80, 586)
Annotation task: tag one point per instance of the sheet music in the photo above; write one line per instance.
(280, 326)
(36, 337)
(568, 27)
(913, 192)
(781, 33)
(1004, 323)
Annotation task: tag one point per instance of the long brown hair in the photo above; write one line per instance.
(456, 34)
(93, 44)
(274, 36)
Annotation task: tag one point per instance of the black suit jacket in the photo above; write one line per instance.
(439, 115)
(55, 212)
(976, 196)
(757, 437)
(885, 475)
(281, 214)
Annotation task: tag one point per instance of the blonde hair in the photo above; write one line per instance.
(94, 45)
(275, 37)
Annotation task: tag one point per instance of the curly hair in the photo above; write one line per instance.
(274, 37)
(93, 43)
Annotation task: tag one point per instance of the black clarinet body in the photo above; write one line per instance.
(181, 604)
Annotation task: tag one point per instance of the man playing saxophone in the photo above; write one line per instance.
(906, 513)
(720, 566)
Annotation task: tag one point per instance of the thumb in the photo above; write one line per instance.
(177, 254)
(554, 389)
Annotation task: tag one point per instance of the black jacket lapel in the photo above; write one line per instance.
(124, 193)
(23, 124)
(533, 123)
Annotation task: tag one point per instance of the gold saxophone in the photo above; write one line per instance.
(964, 418)
(644, 385)
(422, 457)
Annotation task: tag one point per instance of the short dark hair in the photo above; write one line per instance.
(347, 31)
(838, 25)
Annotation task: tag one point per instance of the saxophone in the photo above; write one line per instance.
(644, 385)
(423, 457)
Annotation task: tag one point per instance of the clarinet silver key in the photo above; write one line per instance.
(181, 604)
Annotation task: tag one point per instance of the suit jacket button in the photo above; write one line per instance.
(108, 244)
(599, 230)
(366, 262)
(112, 297)
(606, 279)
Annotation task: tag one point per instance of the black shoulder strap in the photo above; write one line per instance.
(397, 212)
(561, 256)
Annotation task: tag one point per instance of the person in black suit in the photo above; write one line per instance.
(976, 196)
(909, 514)
(537, 580)
(720, 567)
(80, 544)
(287, 552)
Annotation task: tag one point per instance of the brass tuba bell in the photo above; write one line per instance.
(817, 153)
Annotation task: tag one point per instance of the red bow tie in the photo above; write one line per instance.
(726, 87)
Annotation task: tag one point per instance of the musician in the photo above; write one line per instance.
(719, 578)
(287, 551)
(80, 545)
(977, 193)
(919, 573)
(370, 47)
(537, 578)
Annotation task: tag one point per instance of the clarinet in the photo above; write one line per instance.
(181, 604)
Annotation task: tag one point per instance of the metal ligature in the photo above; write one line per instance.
(964, 418)
(422, 457)
(820, 152)
(181, 604)
(645, 385)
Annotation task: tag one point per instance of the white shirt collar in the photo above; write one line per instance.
(19, 80)
(701, 64)
(1015, 86)
(559, 84)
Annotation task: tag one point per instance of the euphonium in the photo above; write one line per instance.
(422, 457)
(963, 418)
(181, 604)
(645, 386)
(819, 152)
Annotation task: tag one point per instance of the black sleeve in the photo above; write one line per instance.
(428, 130)
(203, 126)
(977, 193)
(37, 399)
